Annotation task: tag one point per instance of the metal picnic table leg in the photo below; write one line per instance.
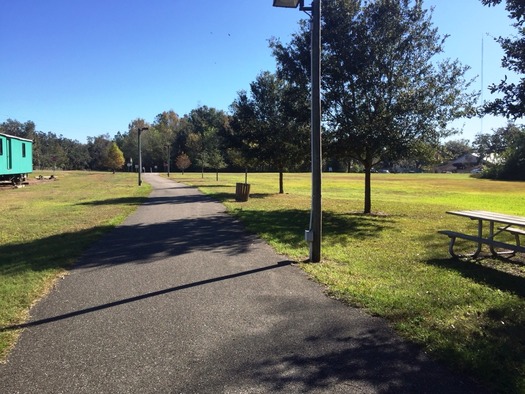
(491, 237)
(480, 235)
(476, 252)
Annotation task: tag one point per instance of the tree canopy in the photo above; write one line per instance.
(269, 124)
(114, 157)
(512, 102)
(383, 89)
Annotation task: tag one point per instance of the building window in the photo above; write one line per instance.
(23, 150)
(1, 147)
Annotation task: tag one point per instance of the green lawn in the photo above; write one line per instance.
(44, 227)
(471, 314)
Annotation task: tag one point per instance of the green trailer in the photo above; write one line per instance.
(16, 158)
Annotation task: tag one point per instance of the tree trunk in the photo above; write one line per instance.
(368, 197)
(281, 184)
(217, 175)
(246, 176)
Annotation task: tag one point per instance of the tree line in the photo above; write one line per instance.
(386, 98)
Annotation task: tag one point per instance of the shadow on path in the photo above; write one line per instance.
(142, 297)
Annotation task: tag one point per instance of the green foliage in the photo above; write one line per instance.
(269, 125)
(182, 162)
(512, 104)
(49, 150)
(506, 147)
(204, 141)
(455, 148)
(98, 148)
(115, 158)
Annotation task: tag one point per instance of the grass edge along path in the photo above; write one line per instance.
(468, 314)
(45, 227)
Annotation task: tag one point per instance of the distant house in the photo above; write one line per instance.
(466, 160)
(463, 163)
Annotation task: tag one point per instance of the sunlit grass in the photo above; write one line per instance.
(45, 226)
(394, 263)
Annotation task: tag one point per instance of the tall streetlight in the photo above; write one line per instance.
(141, 129)
(314, 234)
(169, 158)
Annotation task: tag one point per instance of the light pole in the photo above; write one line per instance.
(314, 234)
(141, 129)
(168, 145)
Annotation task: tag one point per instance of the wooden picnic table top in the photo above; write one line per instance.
(492, 216)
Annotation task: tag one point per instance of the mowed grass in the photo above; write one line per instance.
(470, 314)
(393, 263)
(44, 227)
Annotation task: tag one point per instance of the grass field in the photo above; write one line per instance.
(45, 226)
(471, 314)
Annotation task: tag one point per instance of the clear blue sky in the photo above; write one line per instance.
(84, 68)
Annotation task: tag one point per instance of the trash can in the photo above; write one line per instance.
(242, 192)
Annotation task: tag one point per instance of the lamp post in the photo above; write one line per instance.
(168, 145)
(314, 234)
(141, 129)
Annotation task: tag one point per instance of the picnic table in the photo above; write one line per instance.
(497, 223)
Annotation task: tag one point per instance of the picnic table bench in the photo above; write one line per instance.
(512, 224)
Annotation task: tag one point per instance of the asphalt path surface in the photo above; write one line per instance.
(181, 299)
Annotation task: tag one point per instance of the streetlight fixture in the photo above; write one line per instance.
(141, 129)
(168, 145)
(314, 234)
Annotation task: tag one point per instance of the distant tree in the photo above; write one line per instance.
(128, 142)
(511, 160)
(512, 104)
(383, 89)
(183, 162)
(203, 137)
(98, 148)
(456, 148)
(115, 158)
(482, 146)
(77, 155)
(16, 128)
(423, 154)
(270, 123)
(506, 148)
(514, 165)
(163, 132)
(499, 141)
(205, 147)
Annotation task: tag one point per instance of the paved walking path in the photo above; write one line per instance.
(180, 299)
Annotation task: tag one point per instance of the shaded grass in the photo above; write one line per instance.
(44, 228)
(470, 314)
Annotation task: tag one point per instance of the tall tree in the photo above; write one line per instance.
(270, 123)
(114, 158)
(182, 162)
(98, 148)
(163, 133)
(506, 146)
(202, 129)
(382, 86)
(512, 104)
(14, 127)
(502, 141)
